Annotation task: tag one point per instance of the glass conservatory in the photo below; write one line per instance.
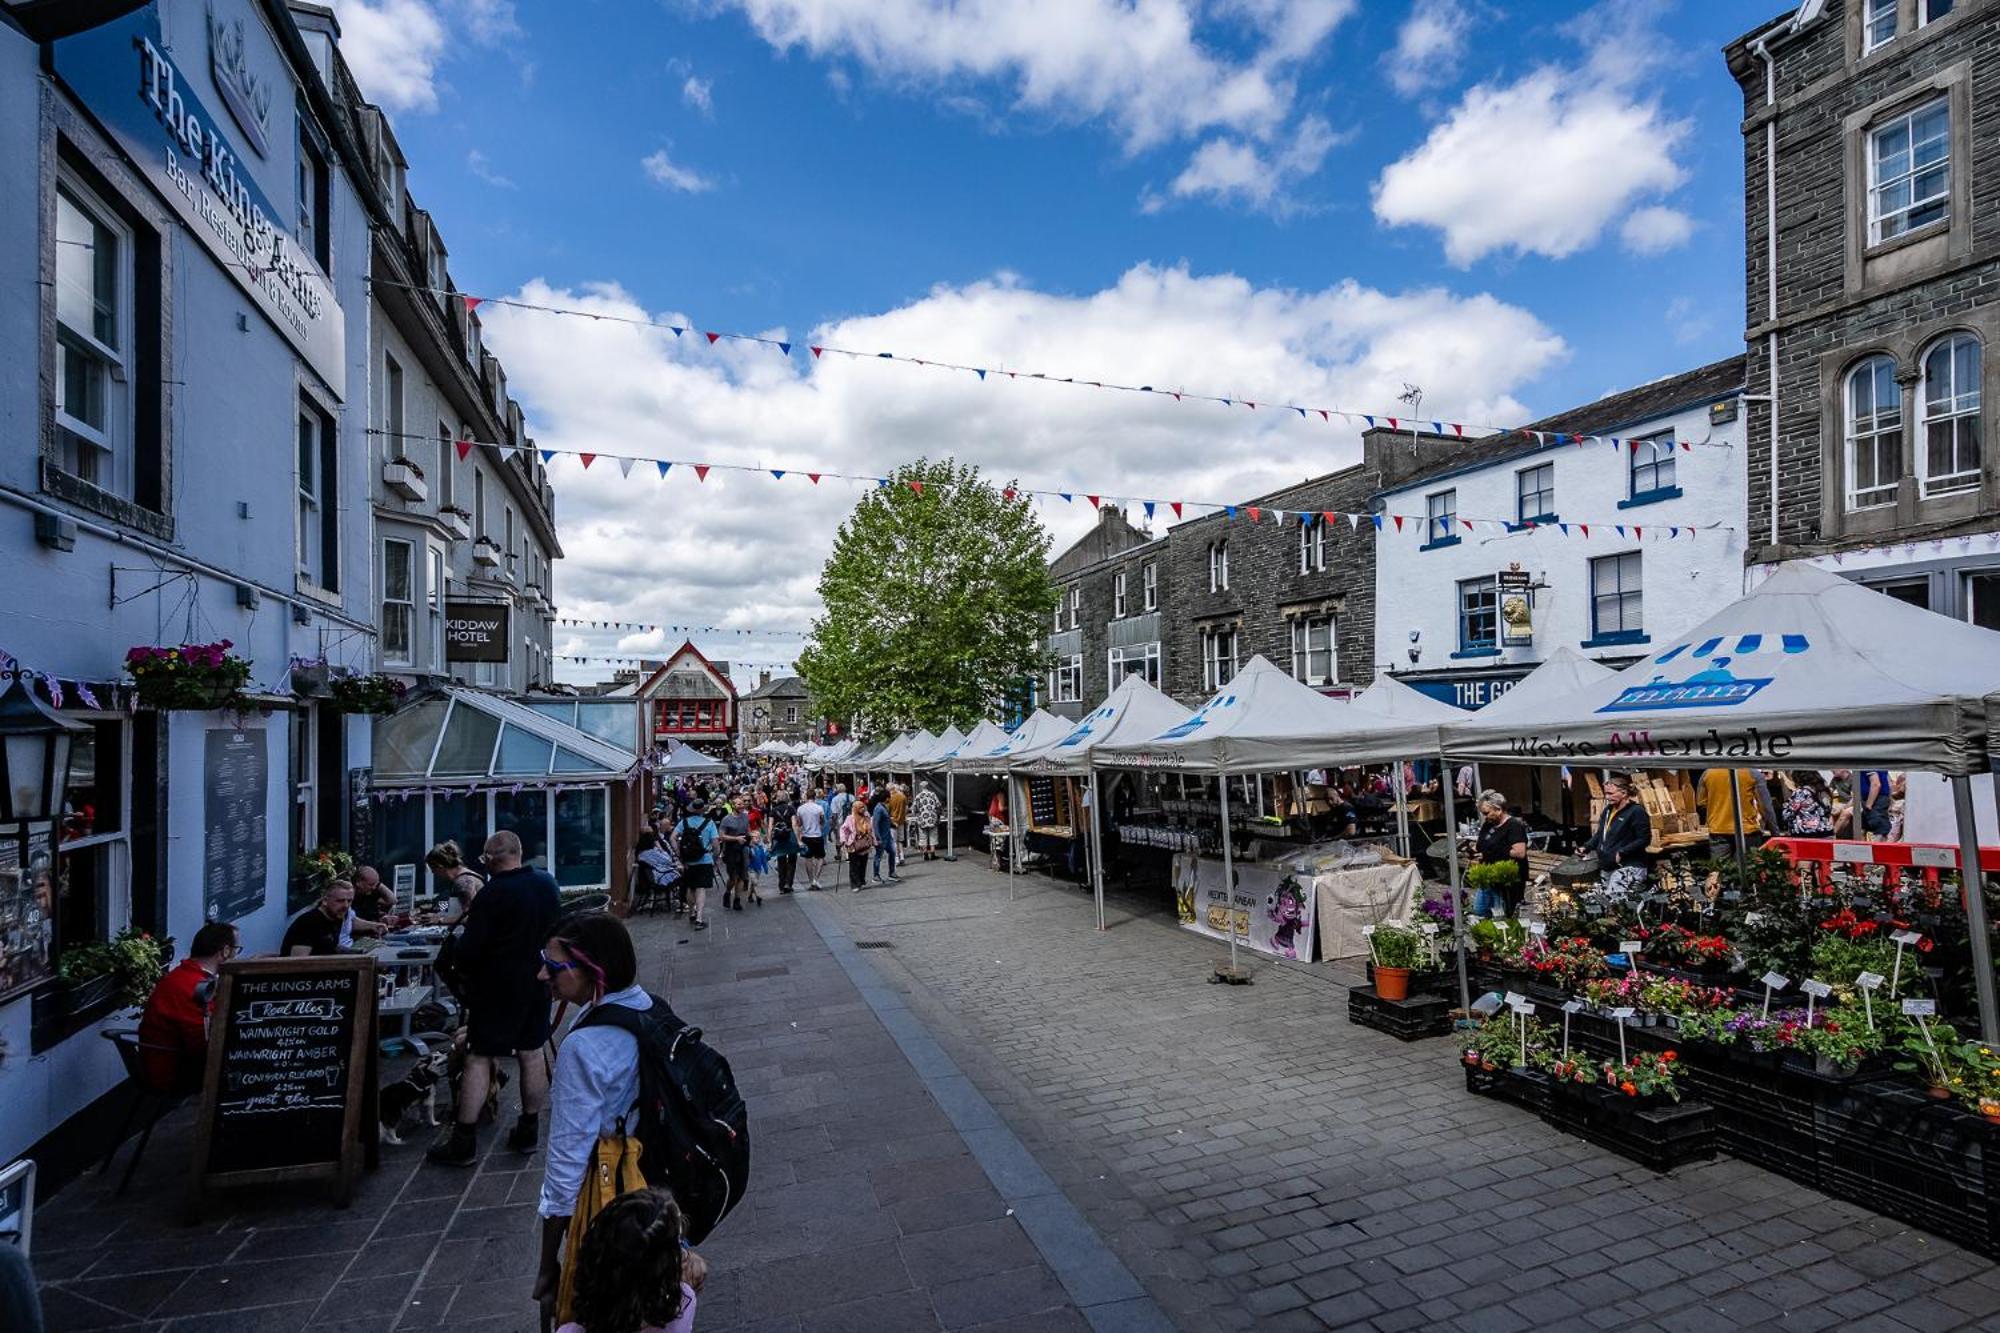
(462, 764)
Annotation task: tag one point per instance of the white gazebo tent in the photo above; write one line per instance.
(981, 739)
(1262, 721)
(1400, 721)
(1134, 711)
(1039, 728)
(891, 755)
(684, 761)
(1807, 670)
(933, 753)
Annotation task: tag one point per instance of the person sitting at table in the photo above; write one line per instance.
(1624, 832)
(173, 1030)
(372, 903)
(1501, 837)
(316, 932)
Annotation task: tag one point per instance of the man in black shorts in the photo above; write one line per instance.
(499, 954)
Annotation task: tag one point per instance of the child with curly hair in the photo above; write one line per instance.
(632, 1274)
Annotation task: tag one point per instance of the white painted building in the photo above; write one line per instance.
(1462, 612)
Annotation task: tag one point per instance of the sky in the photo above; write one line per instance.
(1517, 207)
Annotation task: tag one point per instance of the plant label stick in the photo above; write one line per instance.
(1773, 981)
(1368, 933)
(1902, 938)
(1631, 948)
(1815, 991)
(1538, 928)
(1621, 1014)
(1868, 981)
(1569, 1007)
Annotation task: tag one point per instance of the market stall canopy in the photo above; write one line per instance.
(469, 737)
(1041, 729)
(938, 750)
(1565, 672)
(860, 759)
(1136, 710)
(1807, 671)
(833, 754)
(892, 756)
(916, 745)
(1262, 721)
(968, 754)
(684, 761)
(1388, 720)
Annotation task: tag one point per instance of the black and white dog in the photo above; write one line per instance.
(414, 1095)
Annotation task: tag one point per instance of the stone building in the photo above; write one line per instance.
(777, 710)
(1872, 206)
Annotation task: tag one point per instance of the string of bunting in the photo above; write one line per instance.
(396, 795)
(682, 629)
(1438, 527)
(642, 661)
(785, 347)
(58, 689)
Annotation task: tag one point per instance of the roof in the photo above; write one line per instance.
(469, 735)
(783, 687)
(1607, 416)
(650, 687)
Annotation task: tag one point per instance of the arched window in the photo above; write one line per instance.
(1874, 434)
(1950, 405)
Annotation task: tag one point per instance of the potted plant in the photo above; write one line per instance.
(1932, 1058)
(128, 967)
(375, 692)
(322, 866)
(1397, 951)
(311, 677)
(1494, 877)
(1645, 1081)
(194, 676)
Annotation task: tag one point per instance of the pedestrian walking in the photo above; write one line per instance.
(857, 839)
(734, 834)
(694, 844)
(899, 809)
(498, 958)
(784, 838)
(884, 829)
(925, 812)
(811, 822)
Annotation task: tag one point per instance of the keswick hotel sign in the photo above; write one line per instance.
(125, 73)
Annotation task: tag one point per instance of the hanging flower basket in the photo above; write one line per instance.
(193, 676)
(311, 679)
(373, 693)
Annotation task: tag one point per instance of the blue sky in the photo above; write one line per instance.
(1518, 205)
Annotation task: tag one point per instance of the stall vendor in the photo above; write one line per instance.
(1502, 837)
(1624, 832)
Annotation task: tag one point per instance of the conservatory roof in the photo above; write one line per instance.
(461, 735)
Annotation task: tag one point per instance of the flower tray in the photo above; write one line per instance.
(1932, 1164)
(1413, 1019)
(1659, 1138)
(1523, 1087)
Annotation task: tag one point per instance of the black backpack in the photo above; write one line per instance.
(693, 1125)
(688, 840)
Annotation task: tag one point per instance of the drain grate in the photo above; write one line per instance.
(873, 944)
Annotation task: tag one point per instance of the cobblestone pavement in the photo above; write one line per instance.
(1260, 1162)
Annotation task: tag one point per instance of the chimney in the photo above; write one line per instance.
(763, 679)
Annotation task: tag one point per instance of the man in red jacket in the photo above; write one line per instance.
(173, 1032)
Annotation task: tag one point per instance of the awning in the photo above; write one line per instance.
(684, 761)
(980, 742)
(1262, 721)
(1039, 729)
(1565, 672)
(939, 750)
(1133, 711)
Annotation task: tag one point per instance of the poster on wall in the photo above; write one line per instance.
(27, 915)
(234, 858)
(1271, 912)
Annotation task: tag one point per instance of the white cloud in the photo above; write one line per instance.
(476, 162)
(1429, 46)
(698, 93)
(1237, 170)
(1544, 164)
(744, 549)
(488, 21)
(665, 171)
(1152, 68)
(393, 47)
(1655, 230)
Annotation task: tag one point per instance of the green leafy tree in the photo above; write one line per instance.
(936, 594)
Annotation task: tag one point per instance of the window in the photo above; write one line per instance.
(93, 338)
(1142, 658)
(472, 348)
(1312, 544)
(478, 504)
(392, 407)
(1878, 23)
(1056, 628)
(1075, 606)
(1312, 650)
(1478, 615)
(319, 509)
(1218, 658)
(437, 595)
(1652, 465)
(1911, 592)
(1218, 566)
(1874, 434)
(1950, 404)
(507, 527)
(1909, 171)
(447, 464)
(1118, 595)
(1982, 598)
(1440, 514)
(1066, 680)
(314, 234)
(791, 714)
(398, 601)
(1615, 602)
(1930, 11)
(1149, 578)
(1535, 493)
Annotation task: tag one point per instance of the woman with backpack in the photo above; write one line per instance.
(694, 843)
(857, 839)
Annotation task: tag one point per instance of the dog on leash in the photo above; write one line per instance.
(414, 1095)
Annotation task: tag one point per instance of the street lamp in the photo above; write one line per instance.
(35, 746)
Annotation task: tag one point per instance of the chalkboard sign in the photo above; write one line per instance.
(235, 768)
(289, 1073)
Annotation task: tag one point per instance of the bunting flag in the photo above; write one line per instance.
(701, 471)
(777, 474)
(548, 457)
(1094, 504)
(625, 466)
(464, 447)
(665, 468)
(1175, 505)
(588, 459)
(1149, 508)
(473, 303)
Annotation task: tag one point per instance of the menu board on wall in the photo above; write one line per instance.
(288, 1072)
(27, 910)
(235, 769)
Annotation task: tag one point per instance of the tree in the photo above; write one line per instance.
(935, 594)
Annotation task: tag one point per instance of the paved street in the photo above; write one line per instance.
(976, 1113)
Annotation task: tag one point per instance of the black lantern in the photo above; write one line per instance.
(35, 746)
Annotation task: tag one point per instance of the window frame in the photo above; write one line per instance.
(1630, 600)
(1971, 479)
(437, 590)
(1118, 595)
(1657, 456)
(395, 401)
(1218, 565)
(1149, 585)
(1883, 427)
(1119, 658)
(1075, 605)
(1212, 659)
(116, 436)
(1487, 586)
(1303, 651)
(1439, 520)
(407, 603)
(1312, 544)
(1872, 12)
(1877, 235)
(314, 223)
(322, 573)
(1544, 495)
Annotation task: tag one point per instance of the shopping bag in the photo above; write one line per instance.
(760, 859)
(613, 1170)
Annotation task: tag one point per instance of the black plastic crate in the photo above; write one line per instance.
(1413, 1019)
(1525, 1088)
(1658, 1138)
(1889, 1148)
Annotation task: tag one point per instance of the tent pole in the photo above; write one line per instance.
(950, 813)
(1457, 897)
(1096, 850)
(1228, 877)
(1013, 837)
(1402, 793)
(1971, 881)
(1742, 843)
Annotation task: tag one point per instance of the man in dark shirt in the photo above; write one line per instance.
(315, 932)
(499, 953)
